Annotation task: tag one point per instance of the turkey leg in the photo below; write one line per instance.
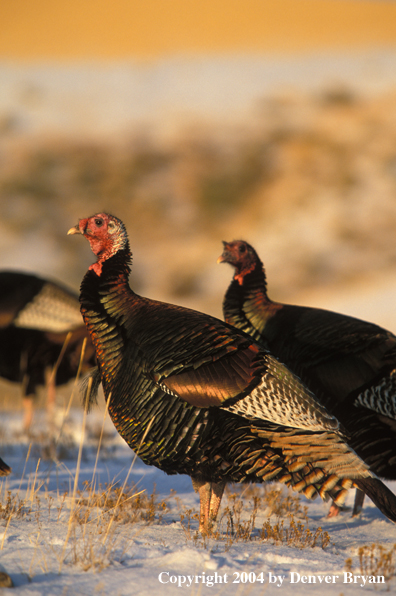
(210, 494)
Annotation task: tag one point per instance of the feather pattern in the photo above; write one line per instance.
(193, 395)
(349, 364)
(40, 321)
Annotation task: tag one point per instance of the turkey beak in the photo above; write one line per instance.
(74, 230)
(223, 256)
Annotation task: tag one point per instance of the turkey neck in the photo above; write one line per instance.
(247, 306)
(142, 413)
(106, 302)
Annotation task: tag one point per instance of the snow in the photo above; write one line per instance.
(106, 99)
(160, 557)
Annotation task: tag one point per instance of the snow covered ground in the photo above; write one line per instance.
(46, 554)
(93, 99)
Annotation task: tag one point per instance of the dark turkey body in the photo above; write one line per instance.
(27, 353)
(134, 339)
(30, 341)
(338, 357)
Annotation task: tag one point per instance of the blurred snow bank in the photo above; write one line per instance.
(110, 98)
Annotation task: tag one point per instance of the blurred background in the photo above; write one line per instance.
(197, 121)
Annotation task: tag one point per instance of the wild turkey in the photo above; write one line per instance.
(347, 363)
(194, 395)
(40, 328)
(4, 468)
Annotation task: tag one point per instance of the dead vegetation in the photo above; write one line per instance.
(11, 505)
(242, 520)
(87, 522)
(94, 540)
(374, 560)
(125, 504)
(297, 535)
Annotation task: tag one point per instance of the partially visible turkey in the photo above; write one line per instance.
(349, 364)
(41, 335)
(193, 395)
(4, 469)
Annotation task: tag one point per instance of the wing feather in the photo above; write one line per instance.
(234, 375)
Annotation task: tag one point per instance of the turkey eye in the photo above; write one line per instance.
(242, 249)
(99, 222)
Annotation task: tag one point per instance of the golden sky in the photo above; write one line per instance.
(146, 29)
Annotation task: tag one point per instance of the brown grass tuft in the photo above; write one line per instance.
(375, 559)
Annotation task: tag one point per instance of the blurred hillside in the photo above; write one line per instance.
(275, 122)
(312, 186)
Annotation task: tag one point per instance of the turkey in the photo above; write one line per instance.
(347, 363)
(4, 469)
(41, 335)
(193, 395)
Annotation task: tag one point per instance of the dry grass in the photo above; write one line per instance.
(239, 521)
(94, 540)
(375, 559)
(11, 505)
(274, 500)
(85, 526)
(125, 504)
(87, 523)
(297, 535)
